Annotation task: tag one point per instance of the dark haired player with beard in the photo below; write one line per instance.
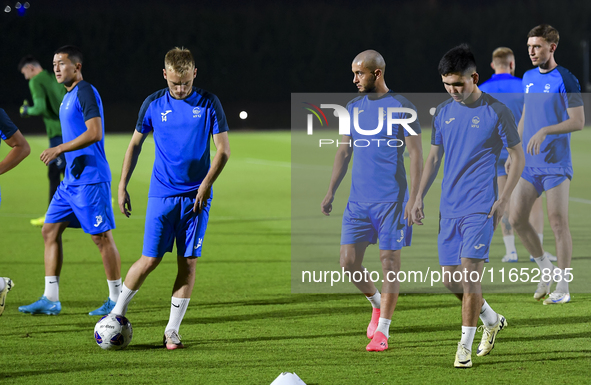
(470, 128)
(379, 203)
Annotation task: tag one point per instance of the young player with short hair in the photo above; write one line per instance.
(183, 119)
(470, 128)
(379, 204)
(553, 109)
(83, 199)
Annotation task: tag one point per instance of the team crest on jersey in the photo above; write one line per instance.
(547, 88)
(475, 121)
(164, 117)
(527, 87)
(197, 112)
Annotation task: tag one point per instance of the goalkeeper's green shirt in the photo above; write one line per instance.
(47, 96)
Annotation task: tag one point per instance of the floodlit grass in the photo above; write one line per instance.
(243, 325)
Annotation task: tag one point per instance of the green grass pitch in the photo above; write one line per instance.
(243, 325)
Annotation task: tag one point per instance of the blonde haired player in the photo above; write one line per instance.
(507, 88)
(182, 118)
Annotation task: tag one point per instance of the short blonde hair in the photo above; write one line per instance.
(502, 56)
(179, 60)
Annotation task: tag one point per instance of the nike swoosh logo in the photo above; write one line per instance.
(2, 304)
(52, 281)
(464, 362)
(117, 285)
(176, 305)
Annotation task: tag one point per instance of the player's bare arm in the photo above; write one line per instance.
(518, 163)
(129, 162)
(520, 126)
(222, 145)
(415, 153)
(429, 174)
(93, 134)
(20, 150)
(339, 170)
(575, 122)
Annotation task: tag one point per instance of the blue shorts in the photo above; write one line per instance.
(60, 161)
(501, 167)
(464, 237)
(368, 222)
(173, 218)
(543, 179)
(87, 206)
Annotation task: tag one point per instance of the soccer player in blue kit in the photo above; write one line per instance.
(83, 199)
(379, 203)
(470, 128)
(507, 89)
(183, 118)
(553, 109)
(20, 149)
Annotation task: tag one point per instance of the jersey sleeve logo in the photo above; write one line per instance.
(475, 121)
(527, 87)
(164, 117)
(450, 120)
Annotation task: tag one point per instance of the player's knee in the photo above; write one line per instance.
(390, 262)
(451, 286)
(558, 223)
(148, 264)
(102, 240)
(49, 233)
(517, 221)
(347, 262)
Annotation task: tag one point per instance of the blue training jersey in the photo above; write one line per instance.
(508, 90)
(547, 96)
(182, 131)
(7, 128)
(472, 137)
(87, 165)
(378, 173)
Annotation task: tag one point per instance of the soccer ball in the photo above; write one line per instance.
(113, 332)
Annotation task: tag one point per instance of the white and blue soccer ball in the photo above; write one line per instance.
(113, 332)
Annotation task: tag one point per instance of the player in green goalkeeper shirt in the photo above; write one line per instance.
(47, 96)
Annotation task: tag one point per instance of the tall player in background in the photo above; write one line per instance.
(183, 119)
(553, 109)
(20, 149)
(470, 129)
(379, 204)
(83, 199)
(508, 89)
(47, 96)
